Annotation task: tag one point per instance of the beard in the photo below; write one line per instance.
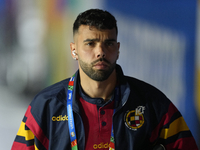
(97, 75)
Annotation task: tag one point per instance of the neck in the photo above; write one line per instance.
(98, 89)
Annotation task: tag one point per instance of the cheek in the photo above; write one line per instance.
(114, 56)
(84, 50)
(85, 57)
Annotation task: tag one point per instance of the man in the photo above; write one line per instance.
(99, 107)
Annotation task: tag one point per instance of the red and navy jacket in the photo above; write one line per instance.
(144, 117)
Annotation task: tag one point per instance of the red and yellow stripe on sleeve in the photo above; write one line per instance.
(173, 131)
(175, 127)
(29, 134)
(24, 139)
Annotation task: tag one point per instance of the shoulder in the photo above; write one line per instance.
(147, 93)
(137, 86)
(53, 90)
(154, 100)
(51, 95)
(143, 87)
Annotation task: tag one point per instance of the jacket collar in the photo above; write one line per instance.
(124, 89)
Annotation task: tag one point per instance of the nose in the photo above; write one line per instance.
(101, 51)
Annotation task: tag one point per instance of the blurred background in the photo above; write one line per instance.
(159, 44)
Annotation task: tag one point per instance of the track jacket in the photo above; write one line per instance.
(144, 117)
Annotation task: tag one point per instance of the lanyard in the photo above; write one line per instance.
(71, 117)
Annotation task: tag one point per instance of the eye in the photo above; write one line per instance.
(109, 43)
(90, 44)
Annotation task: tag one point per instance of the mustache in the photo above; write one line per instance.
(100, 60)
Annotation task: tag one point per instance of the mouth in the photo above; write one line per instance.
(101, 64)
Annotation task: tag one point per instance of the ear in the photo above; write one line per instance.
(73, 51)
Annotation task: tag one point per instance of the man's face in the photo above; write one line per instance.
(97, 51)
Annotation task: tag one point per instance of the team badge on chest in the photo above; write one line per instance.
(134, 119)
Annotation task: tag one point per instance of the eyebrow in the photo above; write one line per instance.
(110, 40)
(93, 40)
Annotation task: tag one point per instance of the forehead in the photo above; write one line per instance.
(86, 31)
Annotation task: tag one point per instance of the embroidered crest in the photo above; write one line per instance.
(134, 119)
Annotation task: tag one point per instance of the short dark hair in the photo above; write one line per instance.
(97, 18)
